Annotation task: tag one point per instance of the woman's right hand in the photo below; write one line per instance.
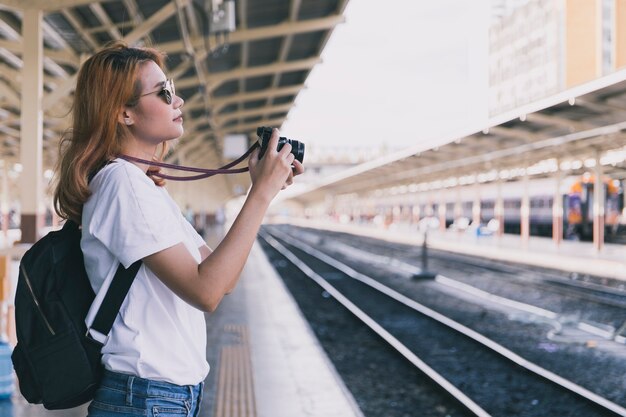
(271, 173)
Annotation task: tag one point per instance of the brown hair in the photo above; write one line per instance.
(106, 83)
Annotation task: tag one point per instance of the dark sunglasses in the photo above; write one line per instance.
(166, 93)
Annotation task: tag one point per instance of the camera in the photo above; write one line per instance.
(264, 134)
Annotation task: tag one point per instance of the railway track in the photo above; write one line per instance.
(477, 372)
(583, 287)
(406, 259)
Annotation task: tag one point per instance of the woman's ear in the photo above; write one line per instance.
(125, 118)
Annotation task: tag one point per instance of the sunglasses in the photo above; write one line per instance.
(166, 93)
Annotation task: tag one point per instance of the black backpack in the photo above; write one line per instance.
(56, 361)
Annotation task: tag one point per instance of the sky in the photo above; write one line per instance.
(396, 73)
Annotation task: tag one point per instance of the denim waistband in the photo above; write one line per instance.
(148, 387)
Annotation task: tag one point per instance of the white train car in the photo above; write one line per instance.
(406, 207)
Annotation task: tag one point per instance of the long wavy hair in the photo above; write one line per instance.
(106, 83)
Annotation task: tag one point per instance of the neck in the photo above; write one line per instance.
(139, 149)
(141, 152)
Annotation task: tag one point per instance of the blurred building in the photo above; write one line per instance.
(540, 47)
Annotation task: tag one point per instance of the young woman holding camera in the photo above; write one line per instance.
(154, 357)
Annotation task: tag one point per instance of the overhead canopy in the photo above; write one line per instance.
(566, 131)
(231, 84)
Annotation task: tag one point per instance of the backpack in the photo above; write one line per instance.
(57, 362)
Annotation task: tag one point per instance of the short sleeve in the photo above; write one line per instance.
(130, 215)
(198, 240)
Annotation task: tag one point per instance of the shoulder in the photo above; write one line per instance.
(119, 169)
(120, 175)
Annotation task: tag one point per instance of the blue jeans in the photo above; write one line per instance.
(128, 395)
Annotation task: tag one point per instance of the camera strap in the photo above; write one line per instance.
(203, 172)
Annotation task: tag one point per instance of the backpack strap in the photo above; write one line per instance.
(113, 299)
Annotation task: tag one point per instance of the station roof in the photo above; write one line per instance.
(229, 88)
(563, 131)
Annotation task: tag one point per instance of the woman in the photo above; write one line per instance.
(154, 357)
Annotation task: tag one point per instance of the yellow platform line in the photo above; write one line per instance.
(235, 386)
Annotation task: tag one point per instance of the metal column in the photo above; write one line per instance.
(416, 214)
(4, 202)
(525, 213)
(598, 205)
(623, 200)
(31, 124)
(442, 213)
(458, 205)
(498, 209)
(476, 206)
(557, 210)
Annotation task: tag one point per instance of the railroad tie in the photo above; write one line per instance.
(235, 386)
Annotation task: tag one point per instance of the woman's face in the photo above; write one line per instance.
(153, 120)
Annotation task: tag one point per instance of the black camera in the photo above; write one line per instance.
(264, 134)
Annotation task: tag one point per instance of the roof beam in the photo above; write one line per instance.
(45, 5)
(284, 29)
(294, 9)
(194, 27)
(510, 133)
(245, 46)
(62, 91)
(305, 64)
(601, 107)
(219, 103)
(249, 127)
(102, 15)
(10, 94)
(152, 22)
(272, 31)
(58, 55)
(262, 111)
(70, 15)
(136, 16)
(572, 125)
(216, 79)
(513, 153)
(68, 86)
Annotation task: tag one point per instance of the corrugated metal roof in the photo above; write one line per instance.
(252, 79)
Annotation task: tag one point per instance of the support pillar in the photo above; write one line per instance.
(416, 212)
(557, 210)
(498, 209)
(4, 202)
(623, 201)
(458, 204)
(525, 213)
(476, 214)
(442, 214)
(598, 205)
(31, 124)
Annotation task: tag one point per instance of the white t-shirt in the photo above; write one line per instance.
(157, 335)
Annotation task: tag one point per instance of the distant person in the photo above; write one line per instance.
(155, 355)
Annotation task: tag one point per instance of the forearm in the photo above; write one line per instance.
(223, 267)
(205, 285)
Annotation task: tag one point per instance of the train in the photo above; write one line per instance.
(576, 193)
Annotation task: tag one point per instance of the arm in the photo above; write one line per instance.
(203, 285)
(205, 251)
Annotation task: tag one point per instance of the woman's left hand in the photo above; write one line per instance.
(296, 169)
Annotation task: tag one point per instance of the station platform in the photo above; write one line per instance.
(571, 256)
(265, 360)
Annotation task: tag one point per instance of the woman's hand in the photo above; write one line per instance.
(274, 171)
